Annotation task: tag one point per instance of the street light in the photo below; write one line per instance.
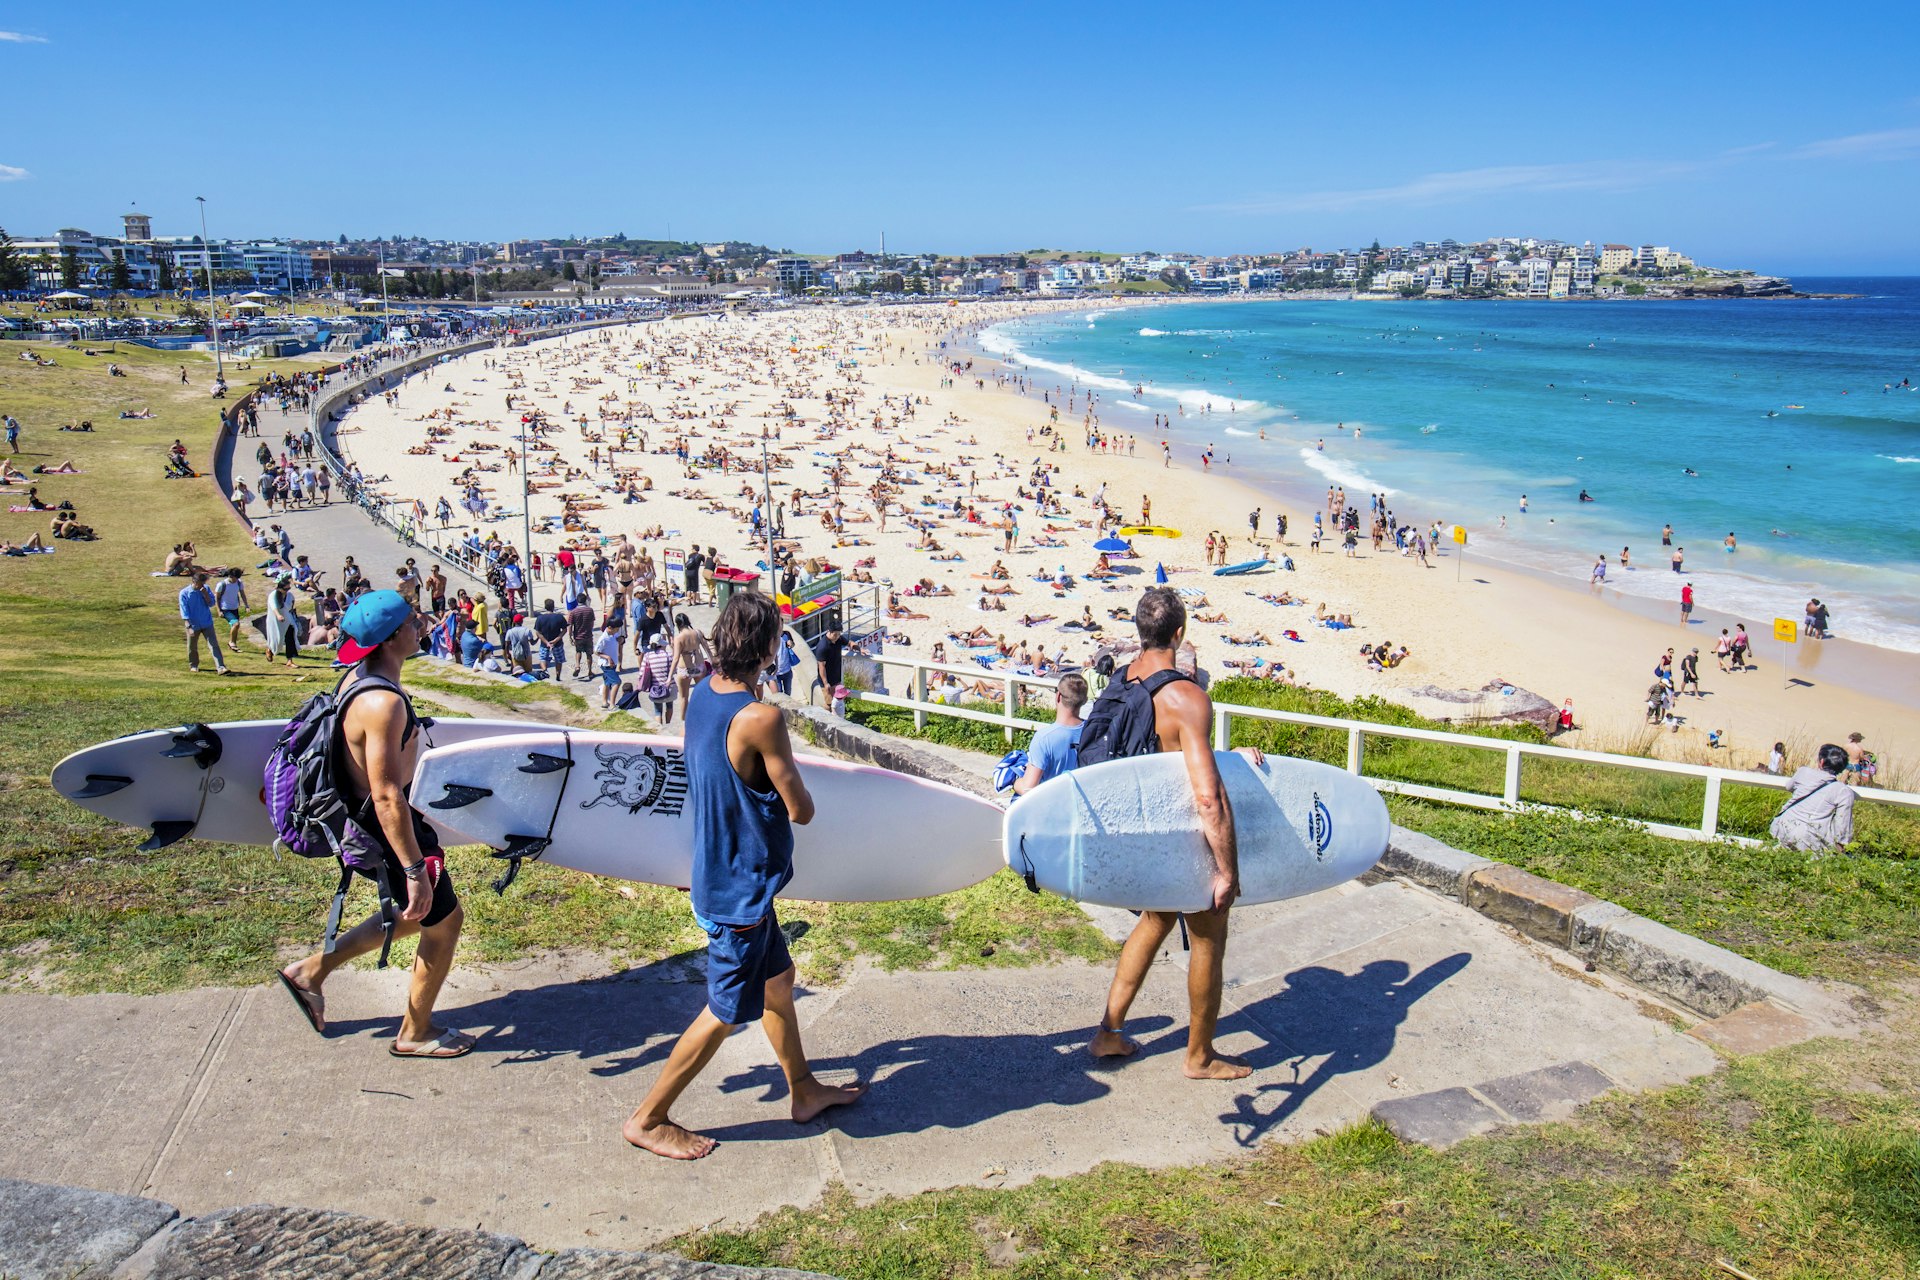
(213, 316)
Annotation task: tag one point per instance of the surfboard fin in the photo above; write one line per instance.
(519, 848)
(459, 796)
(164, 834)
(196, 740)
(541, 762)
(101, 784)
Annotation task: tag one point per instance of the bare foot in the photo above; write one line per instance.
(1219, 1066)
(1112, 1044)
(667, 1139)
(811, 1098)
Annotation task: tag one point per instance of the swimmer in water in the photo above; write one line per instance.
(1690, 471)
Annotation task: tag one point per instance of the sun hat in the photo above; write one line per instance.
(370, 621)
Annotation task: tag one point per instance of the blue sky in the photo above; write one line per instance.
(1761, 135)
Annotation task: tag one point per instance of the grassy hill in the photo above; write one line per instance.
(95, 651)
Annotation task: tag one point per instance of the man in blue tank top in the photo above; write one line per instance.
(746, 794)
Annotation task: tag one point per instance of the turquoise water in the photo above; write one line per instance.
(1462, 407)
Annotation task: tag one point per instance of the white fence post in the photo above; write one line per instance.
(1511, 792)
(1356, 751)
(1710, 809)
(1013, 703)
(1222, 728)
(920, 697)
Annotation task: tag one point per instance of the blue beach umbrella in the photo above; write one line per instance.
(1160, 574)
(1110, 544)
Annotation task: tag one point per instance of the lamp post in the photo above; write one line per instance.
(213, 317)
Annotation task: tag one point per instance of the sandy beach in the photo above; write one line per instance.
(872, 389)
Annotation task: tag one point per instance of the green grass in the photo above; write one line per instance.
(98, 654)
(1856, 919)
(1802, 1164)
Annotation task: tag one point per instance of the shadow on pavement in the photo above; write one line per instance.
(1351, 1021)
(618, 1023)
(941, 1082)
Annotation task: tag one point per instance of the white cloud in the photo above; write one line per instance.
(1887, 144)
(1465, 184)
(9, 173)
(20, 37)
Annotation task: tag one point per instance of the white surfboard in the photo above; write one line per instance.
(1126, 833)
(204, 781)
(615, 804)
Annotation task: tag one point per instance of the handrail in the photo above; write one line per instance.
(1714, 777)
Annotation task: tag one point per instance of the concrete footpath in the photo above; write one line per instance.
(1383, 998)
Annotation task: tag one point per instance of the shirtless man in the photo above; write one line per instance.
(382, 738)
(1183, 720)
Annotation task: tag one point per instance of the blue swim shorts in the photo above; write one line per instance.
(739, 963)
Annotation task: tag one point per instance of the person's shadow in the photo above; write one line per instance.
(945, 1081)
(618, 1023)
(1352, 1020)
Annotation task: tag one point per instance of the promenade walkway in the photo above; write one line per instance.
(1362, 996)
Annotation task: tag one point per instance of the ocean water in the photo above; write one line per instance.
(1780, 421)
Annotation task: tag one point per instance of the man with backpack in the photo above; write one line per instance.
(1152, 706)
(375, 744)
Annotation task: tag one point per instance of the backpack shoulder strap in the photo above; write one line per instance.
(1161, 679)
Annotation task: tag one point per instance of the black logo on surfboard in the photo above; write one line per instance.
(643, 781)
(1319, 827)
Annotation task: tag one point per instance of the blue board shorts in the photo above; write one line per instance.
(231, 615)
(739, 963)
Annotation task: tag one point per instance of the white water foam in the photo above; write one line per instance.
(1348, 477)
(1001, 344)
(1236, 431)
(1892, 457)
(1153, 333)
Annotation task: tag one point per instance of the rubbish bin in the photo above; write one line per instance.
(728, 581)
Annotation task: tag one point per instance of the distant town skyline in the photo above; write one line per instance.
(1766, 142)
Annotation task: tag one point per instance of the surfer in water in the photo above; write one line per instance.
(746, 792)
(1183, 722)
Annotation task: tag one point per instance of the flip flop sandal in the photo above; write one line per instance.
(445, 1045)
(304, 998)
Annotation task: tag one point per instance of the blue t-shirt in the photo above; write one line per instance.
(1055, 750)
(194, 609)
(471, 648)
(742, 838)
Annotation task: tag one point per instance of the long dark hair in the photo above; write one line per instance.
(744, 636)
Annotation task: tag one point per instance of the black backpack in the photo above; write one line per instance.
(1121, 723)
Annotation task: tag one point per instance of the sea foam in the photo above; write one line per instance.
(1349, 478)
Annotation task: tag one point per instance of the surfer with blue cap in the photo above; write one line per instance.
(378, 746)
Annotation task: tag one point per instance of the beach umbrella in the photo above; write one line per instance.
(1110, 544)
(1160, 573)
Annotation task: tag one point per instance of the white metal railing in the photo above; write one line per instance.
(1357, 732)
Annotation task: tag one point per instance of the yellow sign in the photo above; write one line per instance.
(1460, 534)
(1786, 630)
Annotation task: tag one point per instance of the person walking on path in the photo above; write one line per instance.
(380, 734)
(1183, 723)
(746, 794)
(196, 614)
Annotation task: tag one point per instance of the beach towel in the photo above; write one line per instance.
(1293, 636)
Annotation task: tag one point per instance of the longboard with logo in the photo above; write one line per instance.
(616, 804)
(1126, 833)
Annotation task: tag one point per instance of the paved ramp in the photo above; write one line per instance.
(1353, 998)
